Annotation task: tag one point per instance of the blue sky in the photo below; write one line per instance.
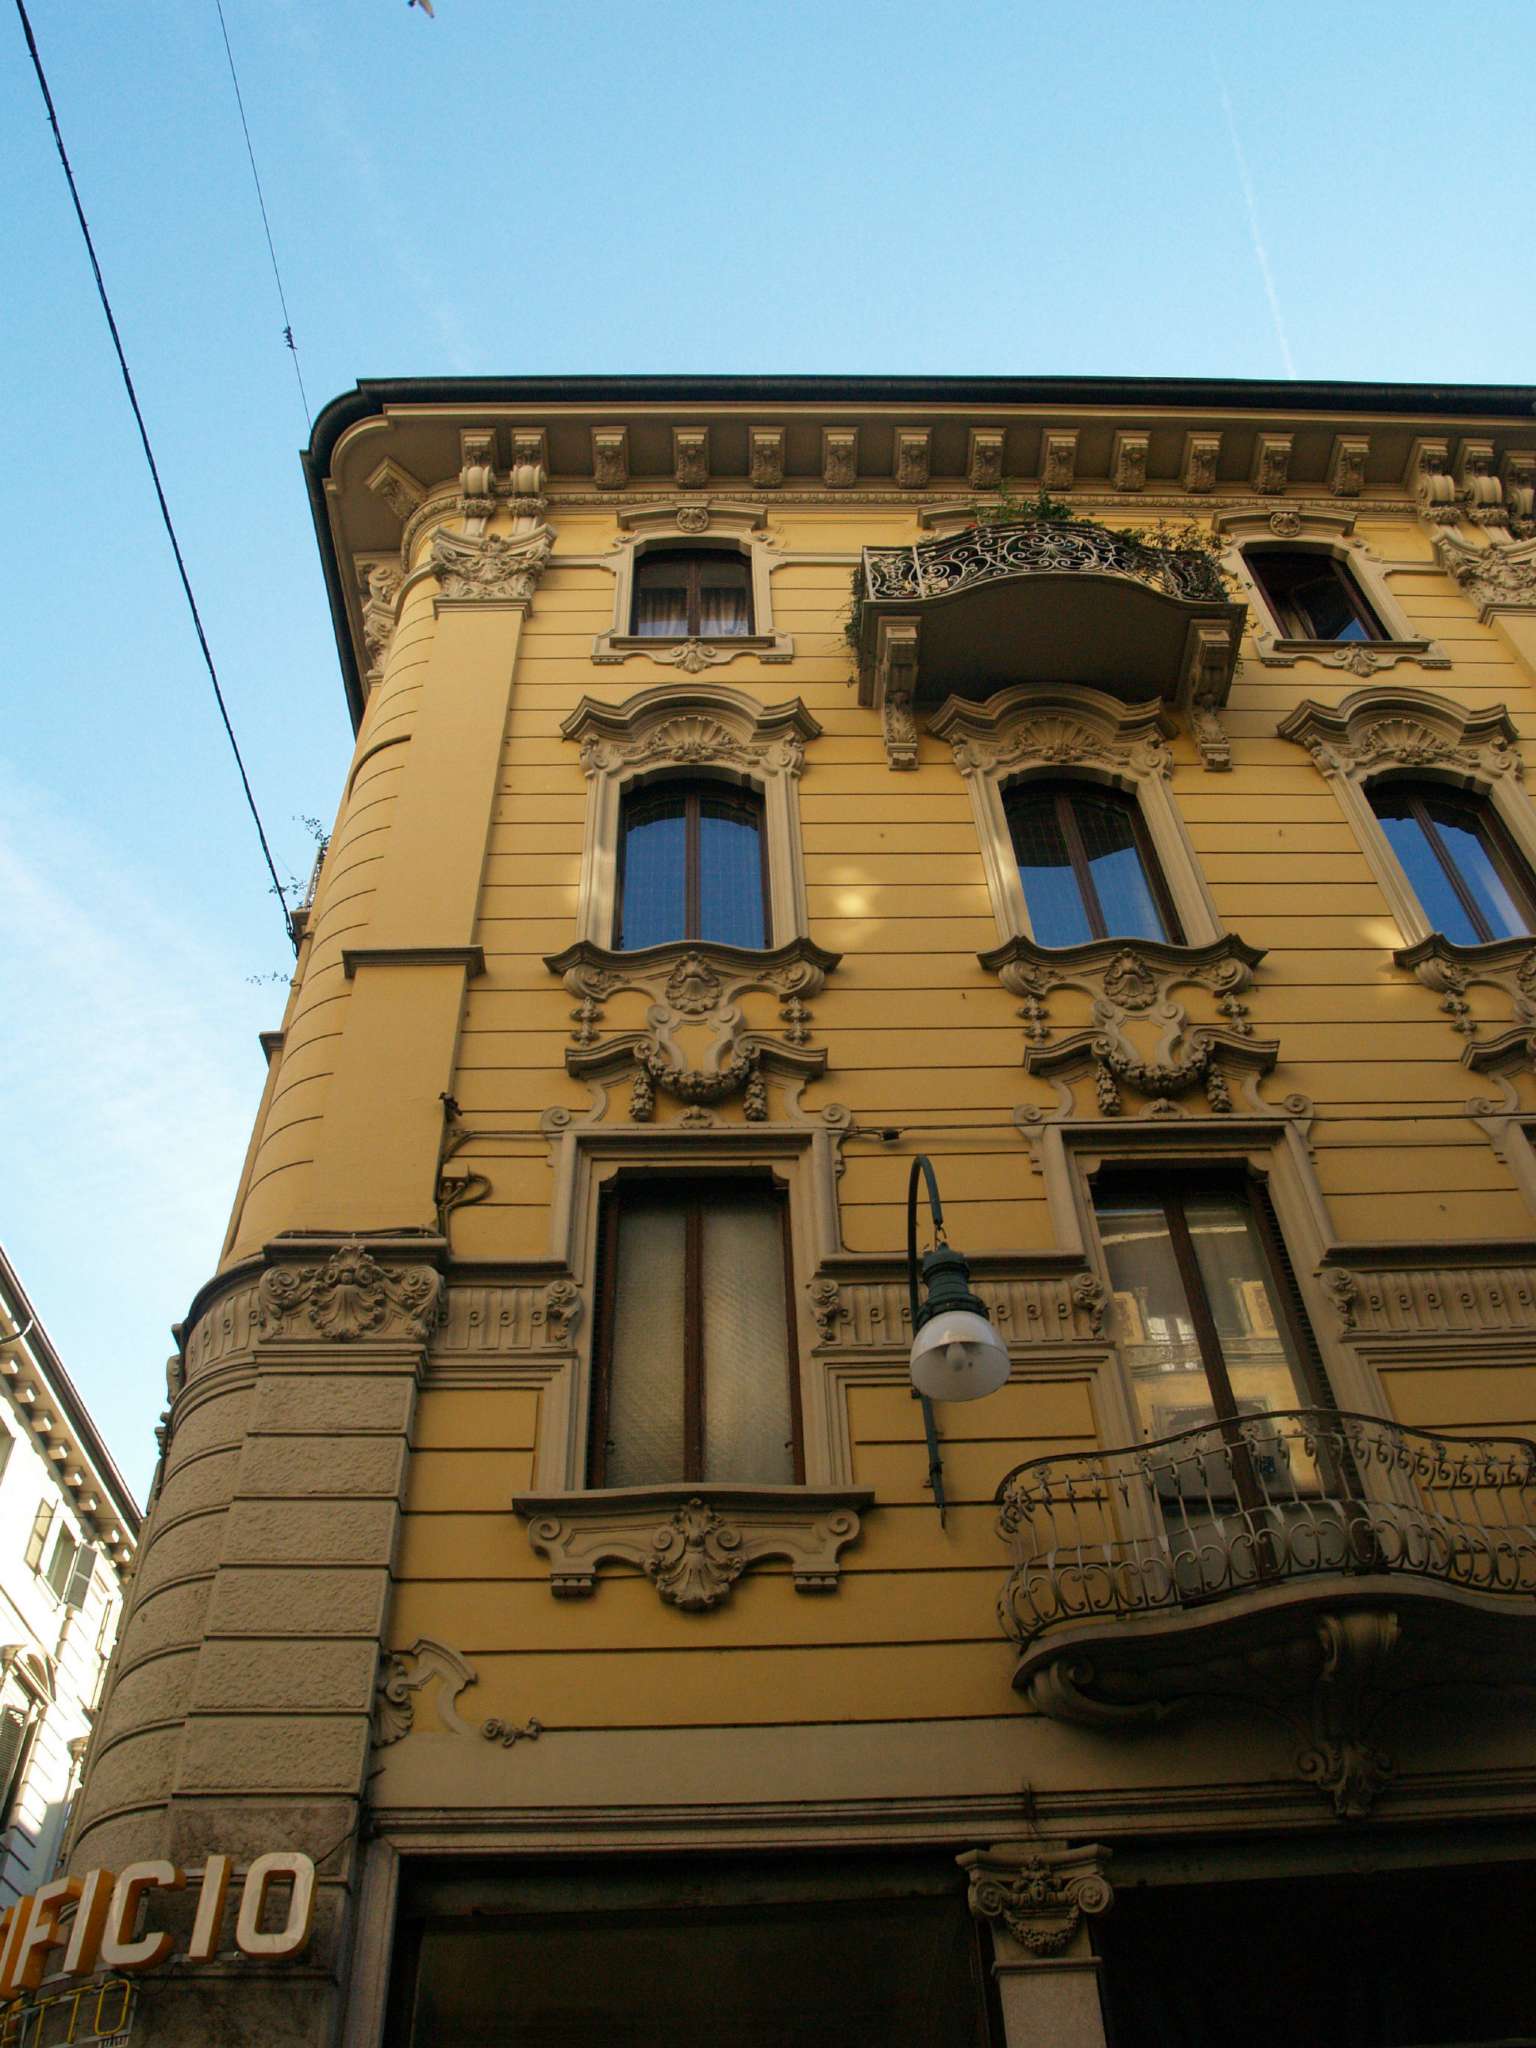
(538, 186)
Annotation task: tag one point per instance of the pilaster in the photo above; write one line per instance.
(1038, 1899)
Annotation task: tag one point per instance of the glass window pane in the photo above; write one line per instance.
(1114, 860)
(747, 1428)
(645, 1387)
(1472, 860)
(1057, 916)
(661, 596)
(654, 903)
(723, 607)
(1154, 1330)
(1312, 596)
(1255, 1343)
(1325, 606)
(730, 875)
(1420, 863)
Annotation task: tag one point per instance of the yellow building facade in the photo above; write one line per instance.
(1112, 792)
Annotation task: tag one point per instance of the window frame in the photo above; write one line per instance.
(694, 524)
(692, 1192)
(1289, 530)
(1487, 827)
(693, 558)
(1290, 620)
(1060, 789)
(746, 797)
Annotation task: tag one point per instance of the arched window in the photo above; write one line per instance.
(1086, 865)
(691, 866)
(695, 593)
(1312, 595)
(1471, 884)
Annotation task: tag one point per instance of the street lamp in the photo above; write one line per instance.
(956, 1353)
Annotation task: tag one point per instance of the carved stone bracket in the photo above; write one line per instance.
(491, 568)
(897, 641)
(351, 1295)
(404, 1674)
(1499, 576)
(695, 1045)
(380, 583)
(1039, 1892)
(1450, 970)
(693, 1541)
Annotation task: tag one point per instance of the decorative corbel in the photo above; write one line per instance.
(1498, 577)
(1210, 655)
(690, 457)
(477, 476)
(1481, 493)
(984, 459)
(1039, 1893)
(1058, 460)
(1271, 462)
(610, 457)
(765, 458)
(1128, 462)
(896, 651)
(1518, 472)
(1346, 465)
(395, 487)
(910, 462)
(839, 457)
(1429, 478)
(1202, 458)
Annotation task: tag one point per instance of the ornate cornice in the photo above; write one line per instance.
(685, 725)
(693, 1541)
(1076, 727)
(1500, 576)
(1395, 727)
(350, 1295)
(1125, 978)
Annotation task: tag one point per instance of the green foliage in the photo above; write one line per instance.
(1004, 508)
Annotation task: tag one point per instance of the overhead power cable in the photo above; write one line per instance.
(277, 275)
(154, 471)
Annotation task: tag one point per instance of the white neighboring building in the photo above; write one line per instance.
(68, 1531)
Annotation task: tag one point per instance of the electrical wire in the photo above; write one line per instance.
(154, 471)
(277, 275)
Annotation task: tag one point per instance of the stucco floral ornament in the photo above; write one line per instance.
(492, 566)
(696, 1557)
(351, 1296)
(1039, 1893)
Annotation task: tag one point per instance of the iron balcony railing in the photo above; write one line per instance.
(1232, 1507)
(1003, 548)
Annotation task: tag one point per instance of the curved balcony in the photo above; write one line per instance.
(1242, 1560)
(1054, 601)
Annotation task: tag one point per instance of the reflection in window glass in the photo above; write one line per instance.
(1312, 595)
(1467, 885)
(696, 594)
(691, 867)
(1083, 867)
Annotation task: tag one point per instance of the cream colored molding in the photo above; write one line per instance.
(1324, 533)
(1271, 463)
(589, 1149)
(700, 728)
(1127, 979)
(610, 457)
(1346, 464)
(1039, 1892)
(741, 529)
(911, 458)
(895, 687)
(477, 476)
(690, 457)
(351, 1295)
(1202, 460)
(379, 581)
(1518, 471)
(1033, 1312)
(404, 1674)
(984, 458)
(839, 457)
(1508, 965)
(1499, 576)
(1427, 1301)
(1184, 1060)
(1025, 733)
(395, 487)
(1428, 476)
(765, 458)
(1478, 488)
(693, 1540)
(695, 1045)
(1058, 460)
(1392, 727)
(1128, 461)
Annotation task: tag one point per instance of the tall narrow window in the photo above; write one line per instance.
(1204, 1317)
(61, 1566)
(1313, 596)
(1469, 880)
(691, 866)
(696, 1372)
(703, 593)
(1085, 866)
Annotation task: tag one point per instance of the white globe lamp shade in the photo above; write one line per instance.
(958, 1356)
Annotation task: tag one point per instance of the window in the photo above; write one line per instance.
(1205, 1316)
(42, 1522)
(691, 866)
(1085, 866)
(696, 1373)
(16, 1728)
(61, 1566)
(1467, 876)
(695, 594)
(1312, 595)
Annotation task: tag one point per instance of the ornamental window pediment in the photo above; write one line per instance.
(693, 587)
(1316, 593)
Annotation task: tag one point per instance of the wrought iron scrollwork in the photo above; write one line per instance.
(980, 554)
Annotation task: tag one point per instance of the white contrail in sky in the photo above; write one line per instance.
(1259, 250)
